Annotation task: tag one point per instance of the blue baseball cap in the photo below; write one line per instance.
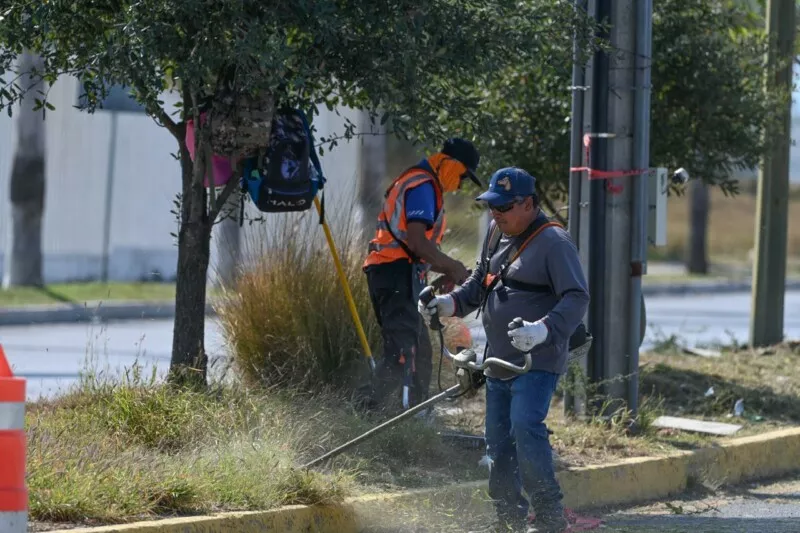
(507, 185)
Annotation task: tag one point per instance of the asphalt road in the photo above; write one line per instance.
(711, 319)
(704, 320)
(759, 508)
(52, 356)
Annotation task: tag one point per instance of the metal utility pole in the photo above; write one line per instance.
(769, 270)
(574, 397)
(639, 191)
(612, 238)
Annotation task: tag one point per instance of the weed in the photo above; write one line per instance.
(116, 451)
(285, 316)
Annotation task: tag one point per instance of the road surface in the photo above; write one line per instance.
(51, 356)
(759, 508)
(711, 319)
(708, 319)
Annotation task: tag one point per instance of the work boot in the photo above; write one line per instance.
(549, 524)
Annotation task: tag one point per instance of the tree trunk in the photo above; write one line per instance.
(228, 235)
(189, 362)
(373, 174)
(697, 259)
(23, 262)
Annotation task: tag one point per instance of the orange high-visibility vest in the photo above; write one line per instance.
(384, 248)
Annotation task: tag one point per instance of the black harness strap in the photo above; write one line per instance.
(522, 240)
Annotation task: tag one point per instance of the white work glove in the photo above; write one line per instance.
(443, 305)
(525, 335)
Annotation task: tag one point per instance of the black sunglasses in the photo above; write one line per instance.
(504, 208)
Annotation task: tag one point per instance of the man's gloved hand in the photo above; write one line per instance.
(443, 305)
(525, 335)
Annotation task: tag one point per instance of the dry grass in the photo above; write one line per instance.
(674, 384)
(731, 226)
(286, 318)
(764, 379)
(115, 452)
(132, 450)
(118, 452)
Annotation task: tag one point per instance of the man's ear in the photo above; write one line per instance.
(530, 203)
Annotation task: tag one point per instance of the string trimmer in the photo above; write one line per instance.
(467, 368)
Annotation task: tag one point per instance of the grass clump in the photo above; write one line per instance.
(286, 318)
(708, 387)
(672, 384)
(113, 452)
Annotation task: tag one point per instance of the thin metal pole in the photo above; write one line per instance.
(597, 208)
(112, 158)
(576, 154)
(346, 288)
(639, 184)
(389, 423)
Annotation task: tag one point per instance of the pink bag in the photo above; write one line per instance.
(221, 165)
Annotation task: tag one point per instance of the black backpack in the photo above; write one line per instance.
(287, 175)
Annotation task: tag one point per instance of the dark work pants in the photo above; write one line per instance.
(407, 351)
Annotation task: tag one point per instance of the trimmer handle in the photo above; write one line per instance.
(516, 323)
(426, 297)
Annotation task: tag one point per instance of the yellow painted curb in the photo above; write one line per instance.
(628, 481)
(291, 519)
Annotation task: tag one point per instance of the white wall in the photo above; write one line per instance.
(146, 179)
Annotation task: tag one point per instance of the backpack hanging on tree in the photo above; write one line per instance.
(286, 175)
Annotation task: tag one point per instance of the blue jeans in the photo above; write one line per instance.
(518, 444)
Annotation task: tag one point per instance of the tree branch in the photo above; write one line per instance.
(226, 192)
(549, 205)
(168, 123)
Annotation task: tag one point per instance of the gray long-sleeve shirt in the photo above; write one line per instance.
(550, 259)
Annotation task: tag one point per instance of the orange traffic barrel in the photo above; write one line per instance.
(13, 492)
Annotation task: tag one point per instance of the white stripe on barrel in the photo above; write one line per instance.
(14, 522)
(12, 416)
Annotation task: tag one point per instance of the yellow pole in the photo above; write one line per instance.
(348, 295)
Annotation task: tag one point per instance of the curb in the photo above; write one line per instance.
(637, 479)
(628, 481)
(290, 519)
(89, 312)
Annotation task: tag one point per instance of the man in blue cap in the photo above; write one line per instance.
(529, 270)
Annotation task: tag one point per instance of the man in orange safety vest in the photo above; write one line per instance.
(405, 247)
